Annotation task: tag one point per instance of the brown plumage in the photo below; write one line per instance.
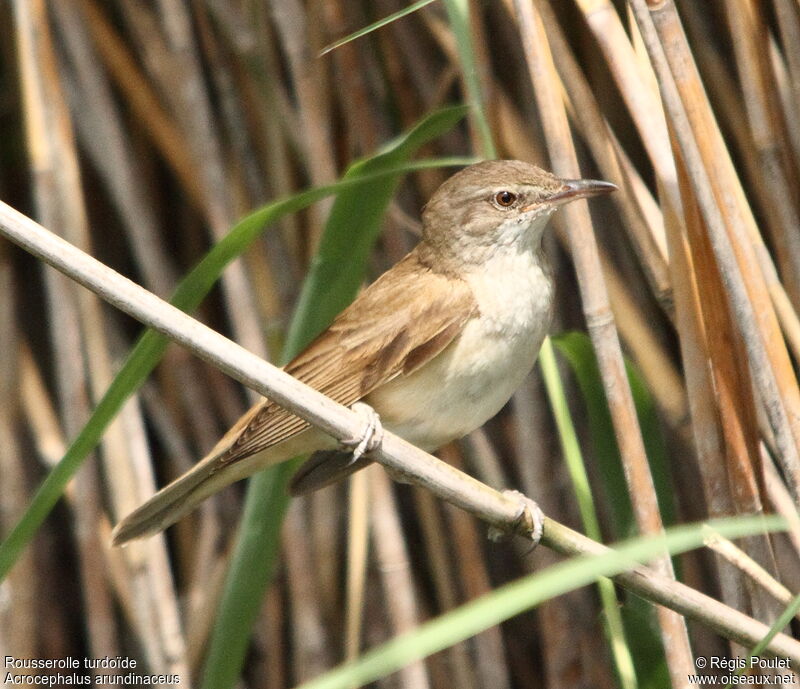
(436, 345)
(347, 361)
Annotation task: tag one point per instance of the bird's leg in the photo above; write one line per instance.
(371, 434)
(530, 516)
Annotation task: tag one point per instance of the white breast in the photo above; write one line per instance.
(474, 377)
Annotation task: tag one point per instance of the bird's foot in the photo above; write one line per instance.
(529, 520)
(371, 434)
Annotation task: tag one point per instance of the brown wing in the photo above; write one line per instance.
(405, 318)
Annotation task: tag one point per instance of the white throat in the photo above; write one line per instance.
(514, 290)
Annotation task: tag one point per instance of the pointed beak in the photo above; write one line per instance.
(575, 189)
(579, 189)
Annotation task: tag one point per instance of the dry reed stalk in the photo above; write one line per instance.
(639, 212)
(786, 103)
(532, 441)
(164, 424)
(325, 507)
(144, 103)
(353, 94)
(726, 214)
(748, 566)
(749, 37)
(734, 404)
(415, 78)
(781, 500)
(40, 414)
(727, 621)
(241, 165)
(184, 384)
(231, 49)
(191, 104)
(18, 630)
(690, 327)
(312, 649)
(391, 555)
(357, 562)
(484, 459)
(490, 663)
(459, 27)
(569, 648)
(78, 322)
(102, 134)
(103, 625)
(723, 91)
(647, 238)
(633, 78)
(436, 84)
(788, 21)
(151, 47)
(649, 353)
(195, 552)
(92, 551)
(309, 79)
(600, 321)
(268, 641)
(268, 110)
(192, 107)
(479, 38)
(309, 82)
(444, 578)
(201, 604)
(742, 473)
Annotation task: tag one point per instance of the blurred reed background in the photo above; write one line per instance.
(141, 132)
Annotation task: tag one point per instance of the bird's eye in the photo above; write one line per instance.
(505, 198)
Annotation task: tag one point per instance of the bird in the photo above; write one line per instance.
(429, 351)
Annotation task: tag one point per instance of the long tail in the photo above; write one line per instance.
(172, 502)
(208, 476)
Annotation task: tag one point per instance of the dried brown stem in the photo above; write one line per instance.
(600, 321)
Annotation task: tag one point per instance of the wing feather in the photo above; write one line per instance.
(401, 321)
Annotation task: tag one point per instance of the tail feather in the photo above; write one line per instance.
(208, 476)
(169, 504)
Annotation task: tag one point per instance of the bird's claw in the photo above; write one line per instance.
(371, 434)
(529, 520)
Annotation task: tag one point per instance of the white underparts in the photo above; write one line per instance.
(475, 376)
